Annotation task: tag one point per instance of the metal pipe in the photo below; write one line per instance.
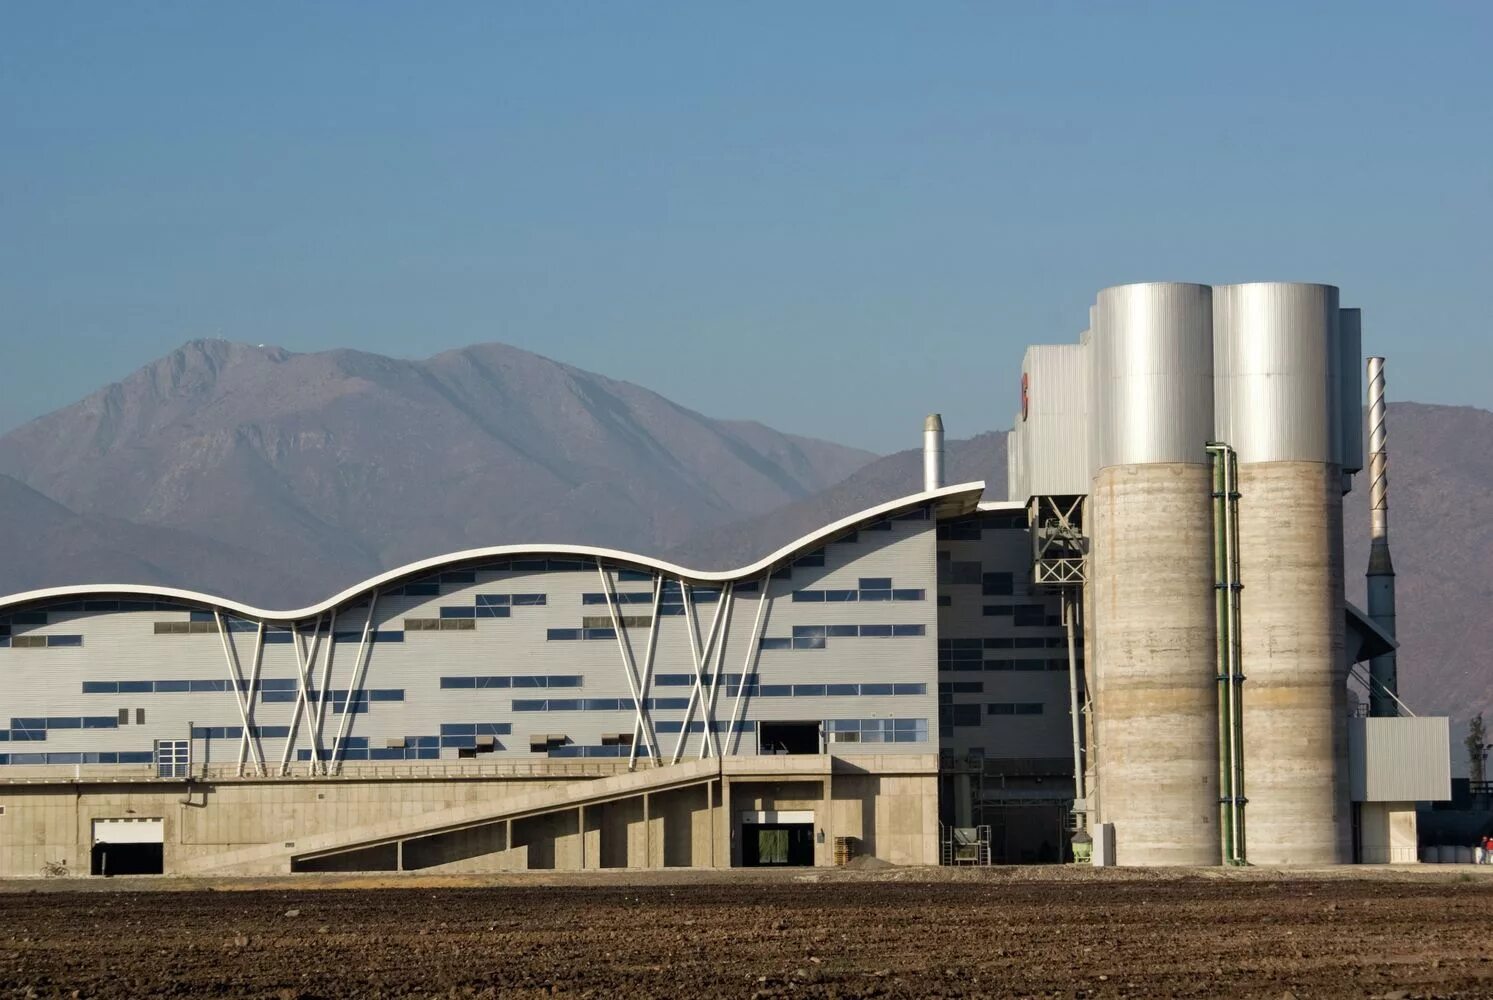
(1227, 588)
(1381, 574)
(933, 464)
(1235, 657)
(1069, 610)
(1218, 456)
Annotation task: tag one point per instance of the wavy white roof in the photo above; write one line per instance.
(962, 498)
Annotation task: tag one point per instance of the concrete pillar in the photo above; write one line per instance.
(1295, 694)
(723, 825)
(1156, 639)
(647, 830)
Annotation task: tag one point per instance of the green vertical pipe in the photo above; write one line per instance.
(1237, 676)
(1221, 592)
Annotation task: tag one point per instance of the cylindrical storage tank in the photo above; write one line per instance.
(1151, 574)
(1277, 351)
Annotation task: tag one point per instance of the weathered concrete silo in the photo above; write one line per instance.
(1278, 403)
(1153, 625)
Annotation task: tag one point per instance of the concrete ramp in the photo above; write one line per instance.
(453, 836)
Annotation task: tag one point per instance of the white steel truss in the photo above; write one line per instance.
(753, 654)
(251, 742)
(629, 668)
(302, 699)
(360, 670)
(323, 696)
(701, 658)
(244, 699)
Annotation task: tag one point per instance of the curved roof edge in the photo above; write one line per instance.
(961, 496)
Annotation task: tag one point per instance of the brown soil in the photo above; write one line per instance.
(882, 934)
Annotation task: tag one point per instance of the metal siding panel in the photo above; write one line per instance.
(1154, 373)
(1350, 371)
(1399, 759)
(1056, 432)
(1278, 393)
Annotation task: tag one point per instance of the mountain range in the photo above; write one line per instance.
(279, 478)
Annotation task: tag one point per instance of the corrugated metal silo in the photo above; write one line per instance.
(1154, 628)
(1279, 403)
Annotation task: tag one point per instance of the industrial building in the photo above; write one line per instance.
(1145, 652)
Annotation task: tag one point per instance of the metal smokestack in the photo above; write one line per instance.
(933, 452)
(1381, 575)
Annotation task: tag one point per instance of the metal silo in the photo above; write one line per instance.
(1278, 403)
(1154, 628)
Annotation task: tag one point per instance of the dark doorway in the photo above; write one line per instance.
(127, 859)
(774, 845)
(788, 737)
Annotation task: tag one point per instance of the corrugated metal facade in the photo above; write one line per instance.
(516, 657)
(1278, 389)
(1053, 435)
(1153, 394)
(1399, 760)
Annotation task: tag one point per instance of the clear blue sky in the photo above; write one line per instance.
(833, 217)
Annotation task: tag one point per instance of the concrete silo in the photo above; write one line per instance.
(1278, 403)
(1153, 669)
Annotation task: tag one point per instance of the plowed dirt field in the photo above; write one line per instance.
(887, 936)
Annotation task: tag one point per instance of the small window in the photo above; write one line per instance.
(173, 758)
(124, 717)
(139, 716)
(997, 584)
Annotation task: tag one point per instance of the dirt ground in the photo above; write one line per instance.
(895, 933)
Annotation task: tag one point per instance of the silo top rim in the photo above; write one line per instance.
(933, 422)
(1280, 284)
(1156, 284)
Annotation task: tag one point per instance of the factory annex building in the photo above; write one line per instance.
(939, 678)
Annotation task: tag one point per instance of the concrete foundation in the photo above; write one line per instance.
(1388, 833)
(222, 826)
(1295, 694)
(1155, 689)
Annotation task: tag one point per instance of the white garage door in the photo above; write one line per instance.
(129, 831)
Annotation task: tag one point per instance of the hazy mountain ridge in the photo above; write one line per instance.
(335, 465)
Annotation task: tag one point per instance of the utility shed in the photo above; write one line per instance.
(1399, 759)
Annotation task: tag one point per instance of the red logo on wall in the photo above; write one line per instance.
(1026, 394)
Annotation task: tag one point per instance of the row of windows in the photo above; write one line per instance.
(853, 596)
(596, 704)
(380, 753)
(1021, 615)
(484, 611)
(961, 687)
(40, 641)
(685, 680)
(971, 715)
(476, 729)
(698, 726)
(105, 757)
(968, 529)
(814, 636)
(237, 732)
(440, 624)
(561, 634)
(1001, 642)
(373, 694)
(66, 722)
(517, 681)
(977, 665)
(876, 730)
